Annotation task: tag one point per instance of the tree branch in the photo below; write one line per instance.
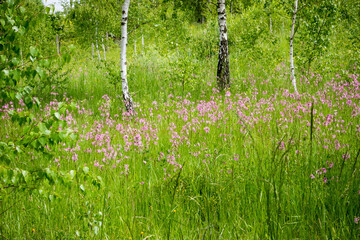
(137, 26)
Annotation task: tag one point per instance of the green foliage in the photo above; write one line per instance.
(39, 180)
(313, 35)
(37, 134)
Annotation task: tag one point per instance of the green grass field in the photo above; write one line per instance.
(254, 162)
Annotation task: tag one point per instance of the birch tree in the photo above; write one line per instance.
(223, 73)
(96, 43)
(125, 88)
(104, 49)
(292, 67)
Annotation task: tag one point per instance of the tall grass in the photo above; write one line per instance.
(254, 162)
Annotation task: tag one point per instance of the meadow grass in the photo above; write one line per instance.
(254, 162)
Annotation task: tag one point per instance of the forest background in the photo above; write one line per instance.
(255, 160)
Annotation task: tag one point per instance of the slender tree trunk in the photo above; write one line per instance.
(270, 24)
(58, 44)
(104, 50)
(96, 44)
(107, 41)
(125, 88)
(223, 73)
(142, 42)
(92, 50)
(292, 67)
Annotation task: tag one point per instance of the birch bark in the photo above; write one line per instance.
(125, 88)
(223, 74)
(104, 49)
(292, 67)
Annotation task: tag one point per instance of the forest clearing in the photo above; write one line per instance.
(166, 119)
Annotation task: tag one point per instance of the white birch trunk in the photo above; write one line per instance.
(292, 67)
(96, 44)
(125, 88)
(58, 44)
(92, 50)
(104, 50)
(223, 74)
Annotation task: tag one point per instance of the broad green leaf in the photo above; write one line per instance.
(57, 115)
(3, 58)
(26, 175)
(33, 51)
(42, 141)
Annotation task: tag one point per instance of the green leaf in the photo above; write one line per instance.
(6, 72)
(15, 61)
(22, 9)
(42, 141)
(47, 10)
(15, 179)
(82, 188)
(33, 51)
(43, 129)
(57, 115)
(3, 58)
(2, 21)
(41, 73)
(26, 175)
(5, 158)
